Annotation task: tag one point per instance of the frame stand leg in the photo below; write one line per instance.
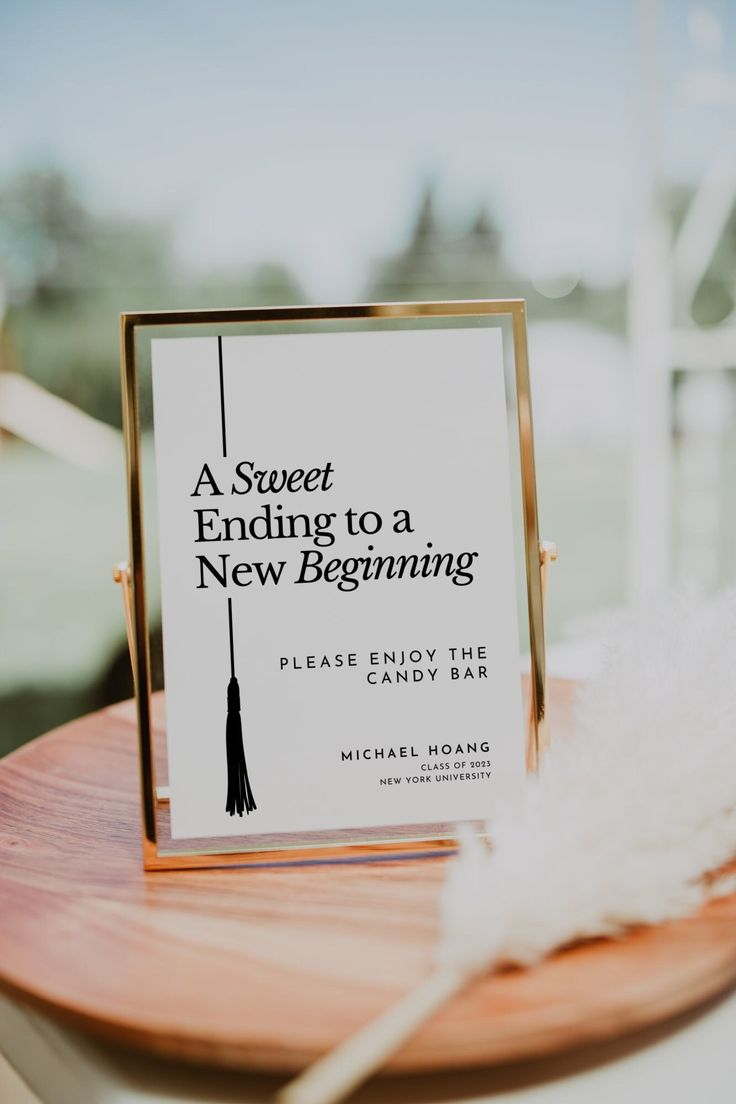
(121, 576)
(538, 731)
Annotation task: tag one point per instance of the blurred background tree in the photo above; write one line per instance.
(67, 271)
(464, 258)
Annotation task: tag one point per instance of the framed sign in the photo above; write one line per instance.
(342, 518)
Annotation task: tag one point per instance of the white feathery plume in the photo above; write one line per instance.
(620, 827)
(626, 816)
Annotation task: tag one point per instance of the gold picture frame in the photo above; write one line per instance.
(132, 572)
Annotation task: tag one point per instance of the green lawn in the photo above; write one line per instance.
(62, 624)
(62, 529)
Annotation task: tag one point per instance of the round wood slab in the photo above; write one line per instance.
(267, 968)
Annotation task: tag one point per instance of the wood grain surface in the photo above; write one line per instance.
(268, 967)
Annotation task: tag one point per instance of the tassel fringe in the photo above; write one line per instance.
(239, 794)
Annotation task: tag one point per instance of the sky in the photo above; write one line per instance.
(305, 130)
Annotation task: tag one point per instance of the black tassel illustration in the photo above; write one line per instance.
(239, 793)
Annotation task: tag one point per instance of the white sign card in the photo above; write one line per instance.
(338, 580)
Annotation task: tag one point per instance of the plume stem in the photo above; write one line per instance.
(334, 1077)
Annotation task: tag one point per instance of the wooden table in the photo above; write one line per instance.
(263, 969)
